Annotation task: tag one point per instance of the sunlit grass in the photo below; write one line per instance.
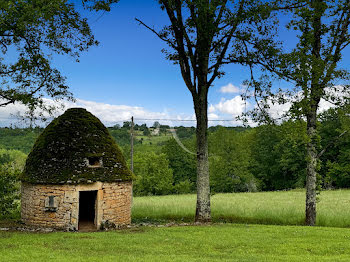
(216, 242)
(280, 208)
(229, 242)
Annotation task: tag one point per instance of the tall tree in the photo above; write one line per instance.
(313, 66)
(202, 37)
(30, 32)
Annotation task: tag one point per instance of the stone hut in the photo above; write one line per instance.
(76, 176)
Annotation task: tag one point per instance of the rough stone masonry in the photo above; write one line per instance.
(112, 204)
(76, 156)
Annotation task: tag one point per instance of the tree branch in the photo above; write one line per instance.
(183, 61)
(157, 34)
(228, 40)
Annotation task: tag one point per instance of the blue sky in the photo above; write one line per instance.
(128, 68)
(128, 75)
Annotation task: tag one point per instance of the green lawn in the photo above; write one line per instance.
(229, 242)
(280, 208)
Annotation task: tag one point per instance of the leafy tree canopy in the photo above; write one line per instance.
(31, 31)
(313, 67)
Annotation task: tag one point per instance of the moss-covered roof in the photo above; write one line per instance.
(75, 148)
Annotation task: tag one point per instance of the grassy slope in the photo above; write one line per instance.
(193, 243)
(284, 207)
(153, 139)
(18, 139)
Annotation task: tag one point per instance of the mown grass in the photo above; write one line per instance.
(229, 242)
(279, 208)
(151, 140)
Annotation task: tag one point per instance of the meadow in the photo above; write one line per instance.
(278, 208)
(234, 236)
(225, 242)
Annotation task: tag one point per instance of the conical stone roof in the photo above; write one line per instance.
(75, 148)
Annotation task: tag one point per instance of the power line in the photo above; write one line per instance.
(179, 120)
(137, 119)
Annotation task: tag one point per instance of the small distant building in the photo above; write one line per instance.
(76, 176)
(155, 132)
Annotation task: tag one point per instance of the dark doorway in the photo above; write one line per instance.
(87, 201)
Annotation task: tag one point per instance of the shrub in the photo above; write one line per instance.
(9, 191)
(184, 187)
(11, 165)
(153, 175)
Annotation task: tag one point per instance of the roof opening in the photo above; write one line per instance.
(95, 161)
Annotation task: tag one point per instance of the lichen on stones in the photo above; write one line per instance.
(61, 152)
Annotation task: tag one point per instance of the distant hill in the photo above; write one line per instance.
(19, 138)
(24, 138)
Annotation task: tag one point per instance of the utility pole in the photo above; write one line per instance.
(132, 145)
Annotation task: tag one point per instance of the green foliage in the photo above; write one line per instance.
(121, 135)
(291, 152)
(336, 143)
(312, 65)
(127, 125)
(263, 152)
(11, 165)
(153, 175)
(185, 132)
(338, 174)
(230, 162)
(313, 68)
(156, 124)
(268, 157)
(18, 138)
(9, 191)
(61, 152)
(182, 163)
(31, 32)
(202, 37)
(146, 132)
(279, 155)
(13, 159)
(184, 187)
(97, 5)
(142, 127)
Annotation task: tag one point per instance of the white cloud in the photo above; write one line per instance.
(234, 106)
(213, 116)
(109, 114)
(7, 114)
(229, 89)
(278, 110)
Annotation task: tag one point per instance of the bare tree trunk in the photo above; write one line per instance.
(310, 211)
(203, 213)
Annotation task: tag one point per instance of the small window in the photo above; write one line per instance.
(95, 161)
(51, 204)
(51, 201)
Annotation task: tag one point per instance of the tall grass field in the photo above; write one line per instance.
(279, 208)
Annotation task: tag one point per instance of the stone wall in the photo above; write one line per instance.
(113, 204)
